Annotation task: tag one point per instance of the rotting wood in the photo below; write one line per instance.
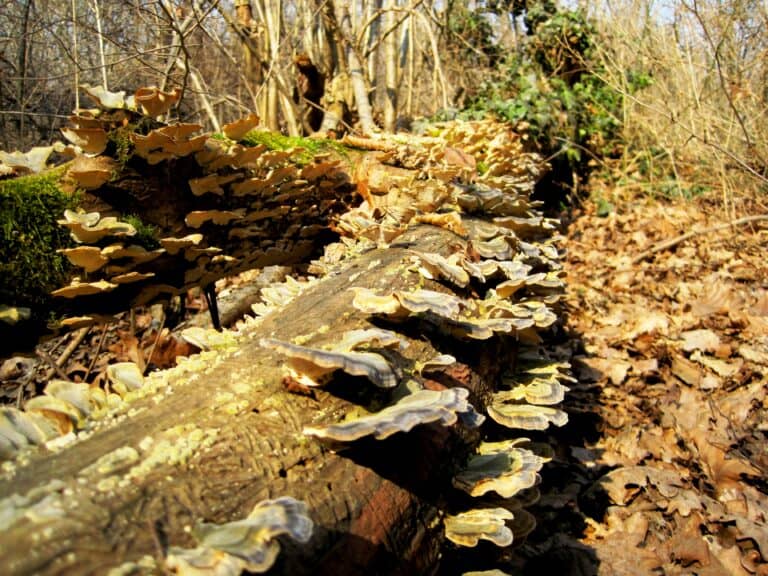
(219, 433)
(373, 505)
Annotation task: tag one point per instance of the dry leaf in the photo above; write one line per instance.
(704, 340)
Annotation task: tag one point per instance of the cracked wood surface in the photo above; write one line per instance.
(237, 436)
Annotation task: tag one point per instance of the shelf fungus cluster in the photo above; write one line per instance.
(312, 366)
(162, 208)
(248, 544)
(501, 278)
(53, 419)
(232, 203)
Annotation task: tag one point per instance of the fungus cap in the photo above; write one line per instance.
(468, 528)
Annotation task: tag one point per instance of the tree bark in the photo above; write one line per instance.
(391, 59)
(375, 505)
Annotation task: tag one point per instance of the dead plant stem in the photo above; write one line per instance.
(667, 244)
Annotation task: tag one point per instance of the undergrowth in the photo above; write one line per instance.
(553, 90)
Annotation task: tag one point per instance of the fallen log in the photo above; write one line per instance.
(358, 396)
(372, 504)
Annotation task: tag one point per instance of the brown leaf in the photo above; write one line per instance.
(686, 370)
(718, 298)
(623, 484)
(127, 349)
(687, 547)
(704, 340)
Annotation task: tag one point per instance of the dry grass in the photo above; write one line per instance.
(701, 124)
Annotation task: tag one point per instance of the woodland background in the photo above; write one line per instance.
(666, 98)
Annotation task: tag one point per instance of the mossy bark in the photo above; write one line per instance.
(234, 437)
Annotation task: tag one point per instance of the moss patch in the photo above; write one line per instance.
(30, 267)
(146, 234)
(309, 146)
(120, 139)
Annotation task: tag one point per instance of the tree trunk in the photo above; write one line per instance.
(391, 62)
(227, 429)
(375, 505)
(356, 72)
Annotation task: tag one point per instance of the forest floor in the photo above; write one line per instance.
(663, 468)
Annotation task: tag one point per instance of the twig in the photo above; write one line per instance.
(104, 329)
(64, 356)
(682, 238)
(154, 344)
(55, 368)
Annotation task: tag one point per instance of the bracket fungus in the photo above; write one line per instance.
(487, 200)
(17, 163)
(239, 128)
(439, 362)
(197, 218)
(212, 184)
(544, 390)
(92, 141)
(500, 248)
(154, 102)
(91, 173)
(468, 528)
(434, 266)
(312, 366)
(524, 416)
(502, 467)
(89, 258)
(77, 288)
(449, 221)
(401, 304)
(66, 416)
(372, 338)
(125, 377)
(63, 409)
(107, 99)
(249, 544)
(21, 429)
(527, 227)
(174, 245)
(90, 227)
(420, 407)
(209, 338)
(279, 294)
(168, 142)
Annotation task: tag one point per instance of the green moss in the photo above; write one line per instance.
(309, 146)
(146, 234)
(120, 145)
(30, 267)
(123, 147)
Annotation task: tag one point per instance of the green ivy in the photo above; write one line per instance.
(553, 88)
